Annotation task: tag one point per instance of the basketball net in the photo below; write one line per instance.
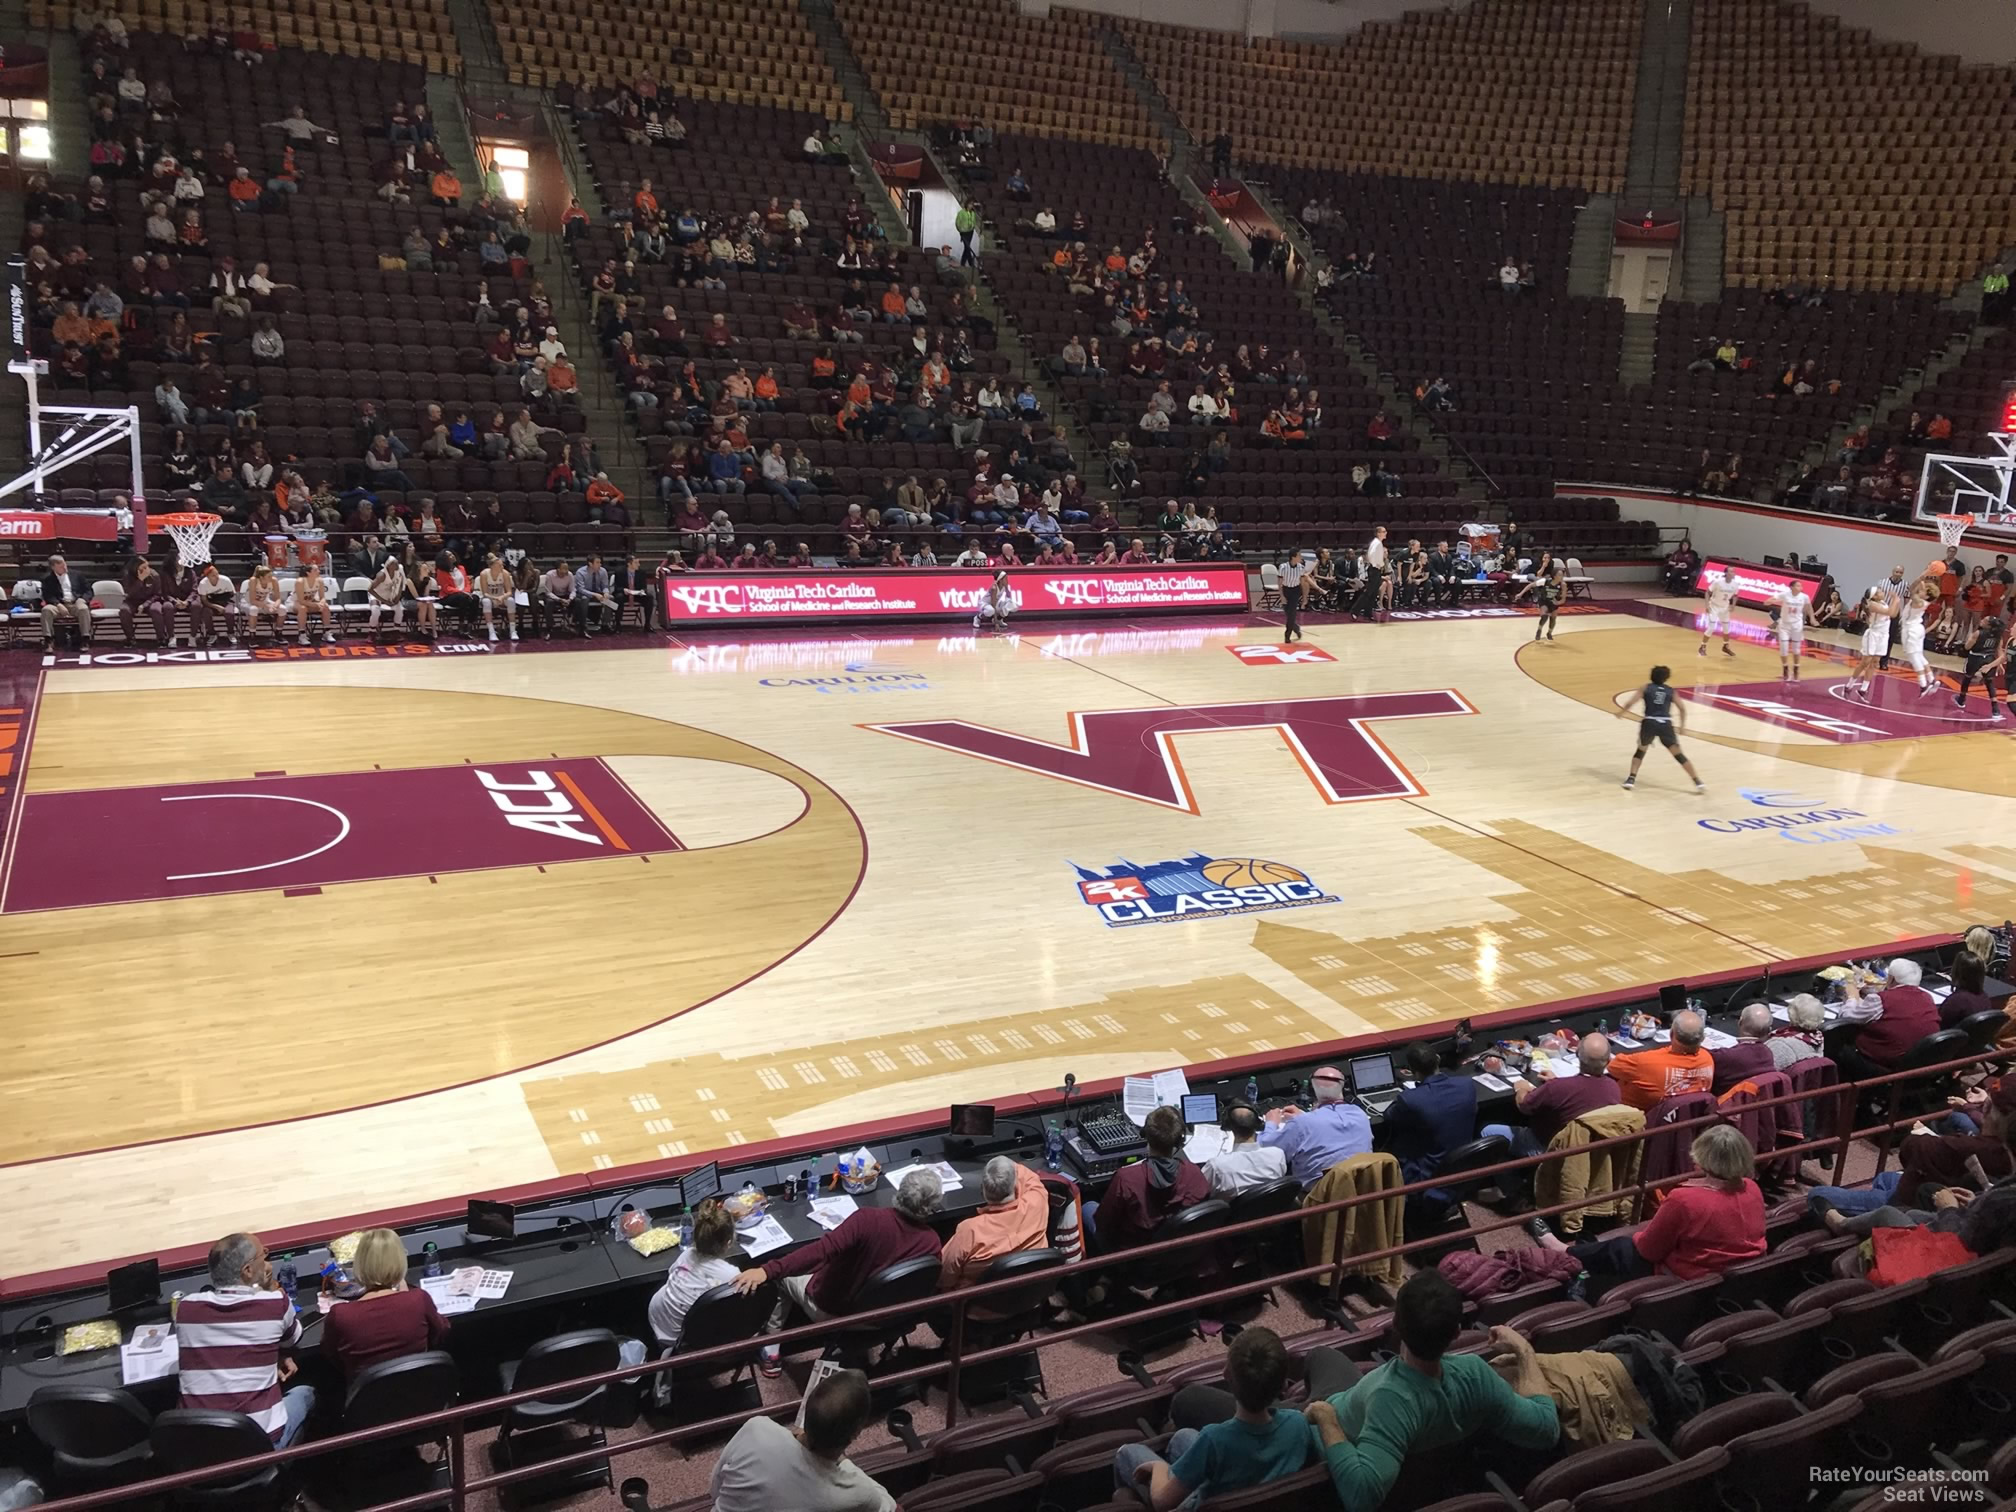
(191, 534)
(1952, 527)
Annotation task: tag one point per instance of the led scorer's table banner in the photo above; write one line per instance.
(942, 594)
(1756, 585)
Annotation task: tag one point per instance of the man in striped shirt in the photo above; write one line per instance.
(232, 1338)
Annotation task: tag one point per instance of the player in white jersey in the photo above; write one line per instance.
(1721, 609)
(1875, 613)
(997, 601)
(1912, 636)
(1793, 607)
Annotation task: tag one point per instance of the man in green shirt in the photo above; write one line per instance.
(1995, 295)
(966, 222)
(1421, 1400)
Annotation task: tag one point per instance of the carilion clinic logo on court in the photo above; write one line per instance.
(1799, 820)
(1163, 892)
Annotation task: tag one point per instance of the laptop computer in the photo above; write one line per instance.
(1373, 1081)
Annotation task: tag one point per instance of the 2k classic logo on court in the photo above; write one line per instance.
(1164, 891)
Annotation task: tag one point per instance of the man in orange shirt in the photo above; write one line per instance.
(446, 189)
(892, 306)
(644, 202)
(244, 190)
(1649, 1076)
(1016, 1217)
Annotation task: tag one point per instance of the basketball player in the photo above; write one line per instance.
(1923, 592)
(1721, 608)
(495, 587)
(216, 603)
(997, 599)
(388, 591)
(1876, 615)
(311, 600)
(1662, 708)
(1793, 605)
(1987, 658)
(264, 601)
(1552, 589)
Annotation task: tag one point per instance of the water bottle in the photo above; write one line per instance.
(430, 1259)
(685, 1227)
(286, 1277)
(1252, 1091)
(1053, 1146)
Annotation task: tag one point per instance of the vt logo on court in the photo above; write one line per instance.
(1132, 752)
(1260, 656)
(1165, 891)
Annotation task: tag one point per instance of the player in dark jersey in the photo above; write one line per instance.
(1552, 589)
(1662, 712)
(1987, 657)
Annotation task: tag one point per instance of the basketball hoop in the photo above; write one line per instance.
(1952, 527)
(191, 533)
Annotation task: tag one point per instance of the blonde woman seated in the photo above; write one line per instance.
(497, 590)
(388, 591)
(264, 600)
(389, 1320)
(311, 601)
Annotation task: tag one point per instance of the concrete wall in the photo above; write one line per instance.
(1978, 31)
(1857, 552)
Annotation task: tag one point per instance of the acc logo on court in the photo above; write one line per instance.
(1164, 891)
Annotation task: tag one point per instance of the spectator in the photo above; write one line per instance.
(1432, 1117)
(1550, 1103)
(389, 1320)
(1750, 1055)
(1646, 1077)
(1141, 1195)
(1801, 1037)
(1890, 1023)
(698, 1269)
(1256, 1442)
(767, 1467)
(823, 1278)
(234, 1339)
(1332, 1131)
(1705, 1225)
(1016, 1217)
(1425, 1399)
(382, 468)
(1248, 1163)
(1967, 998)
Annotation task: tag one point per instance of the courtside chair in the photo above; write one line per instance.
(540, 1429)
(97, 1436)
(190, 1439)
(719, 1315)
(389, 1392)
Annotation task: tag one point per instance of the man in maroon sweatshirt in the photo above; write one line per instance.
(825, 1277)
(1893, 1021)
(1141, 1195)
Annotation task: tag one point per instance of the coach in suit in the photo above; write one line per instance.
(634, 584)
(66, 598)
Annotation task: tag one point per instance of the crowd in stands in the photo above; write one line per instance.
(1597, 1332)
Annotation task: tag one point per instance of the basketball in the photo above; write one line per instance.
(1246, 872)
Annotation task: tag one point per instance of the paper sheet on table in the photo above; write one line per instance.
(1564, 1065)
(1142, 1095)
(449, 1299)
(1783, 1013)
(1492, 1083)
(137, 1365)
(764, 1237)
(948, 1176)
(1716, 1039)
(831, 1212)
(1207, 1142)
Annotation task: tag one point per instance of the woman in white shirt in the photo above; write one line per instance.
(388, 591)
(699, 1268)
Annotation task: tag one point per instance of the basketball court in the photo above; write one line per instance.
(308, 932)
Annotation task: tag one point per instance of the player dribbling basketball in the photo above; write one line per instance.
(1552, 589)
(1721, 609)
(1661, 712)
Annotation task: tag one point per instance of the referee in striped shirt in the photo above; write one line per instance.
(1292, 573)
(235, 1340)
